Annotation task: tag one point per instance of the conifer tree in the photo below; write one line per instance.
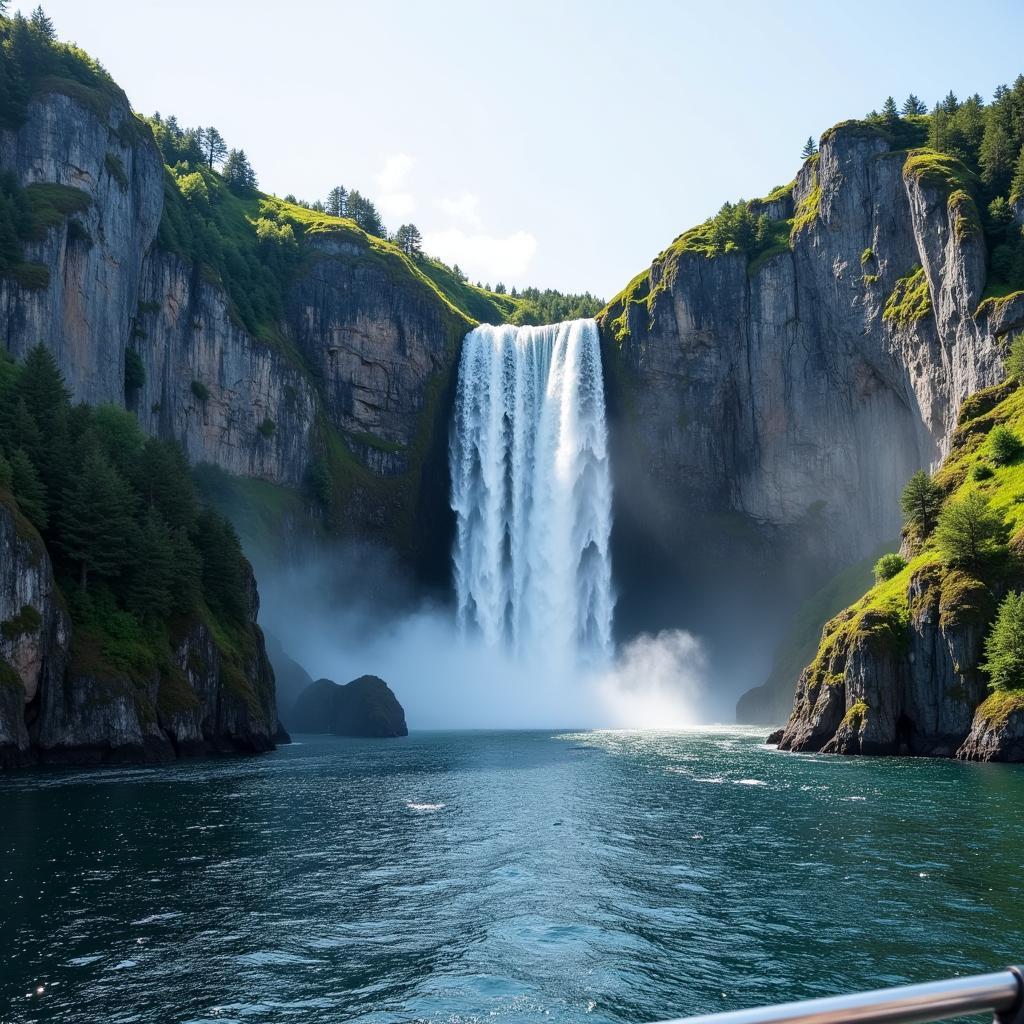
(920, 502)
(889, 111)
(43, 25)
(96, 518)
(1004, 646)
(1017, 184)
(912, 105)
(336, 198)
(409, 240)
(970, 534)
(215, 149)
(150, 589)
(28, 489)
(238, 172)
(810, 148)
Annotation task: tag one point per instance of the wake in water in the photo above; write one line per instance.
(531, 491)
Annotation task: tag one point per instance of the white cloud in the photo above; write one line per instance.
(394, 200)
(465, 208)
(482, 256)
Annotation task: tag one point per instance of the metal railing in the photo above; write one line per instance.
(1002, 993)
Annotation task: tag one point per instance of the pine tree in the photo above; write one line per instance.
(1004, 646)
(969, 534)
(365, 214)
(920, 502)
(1017, 184)
(96, 518)
(810, 148)
(42, 25)
(221, 553)
(164, 482)
(41, 384)
(336, 199)
(409, 240)
(28, 489)
(238, 172)
(215, 149)
(913, 106)
(889, 111)
(150, 588)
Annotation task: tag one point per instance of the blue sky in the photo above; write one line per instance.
(562, 144)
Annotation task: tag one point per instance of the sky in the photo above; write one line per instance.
(560, 144)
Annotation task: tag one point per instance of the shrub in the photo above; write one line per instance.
(1015, 359)
(866, 256)
(982, 471)
(1004, 645)
(1004, 444)
(888, 566)
(267, 428)
(200, 390)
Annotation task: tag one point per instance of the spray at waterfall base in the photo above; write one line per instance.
(530, 644)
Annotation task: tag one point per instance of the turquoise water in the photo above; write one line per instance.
(526, 876)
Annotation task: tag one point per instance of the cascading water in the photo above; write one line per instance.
(531, 491)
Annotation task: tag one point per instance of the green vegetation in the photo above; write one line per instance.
(970, 535)
(888, 566)
(1004, 645)
(32, 61)
(920, 503)
(910, 300)
(1004, 445)
(28, 620)
(134, 550)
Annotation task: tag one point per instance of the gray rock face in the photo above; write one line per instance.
(34, 631)
(785, 396)
(85, 314)
(58, 706)
(357, 348)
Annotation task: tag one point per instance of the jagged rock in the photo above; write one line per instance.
(364, 707)
(774, 738)
(997, 732)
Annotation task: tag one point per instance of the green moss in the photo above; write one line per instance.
(996, 296)
(964, 600)
(939, 171)
(175, 695)
(996, 709)
(115, 168)
(856, 715)
(910, 300)
(52, 204)
(808, 209)
(28, 620)
(867, 256)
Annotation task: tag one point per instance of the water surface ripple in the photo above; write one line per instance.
(467, 876)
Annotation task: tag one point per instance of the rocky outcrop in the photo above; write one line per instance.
(364, 707)
(882, 684)
(997, 732)
(61, 702)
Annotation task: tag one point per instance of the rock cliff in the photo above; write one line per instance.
(767, 409)
(338, 399)
(61, 703)
(899, 671)
(364, 707)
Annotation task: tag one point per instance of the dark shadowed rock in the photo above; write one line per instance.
(291, 678)
(775, 737)
(364, 707)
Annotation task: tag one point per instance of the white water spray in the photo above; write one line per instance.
(531, 490)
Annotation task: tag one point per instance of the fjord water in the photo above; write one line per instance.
(604, 876)
(531, 490)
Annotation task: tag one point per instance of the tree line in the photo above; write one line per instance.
(118, 511)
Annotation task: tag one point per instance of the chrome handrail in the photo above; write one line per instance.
(1001, 992)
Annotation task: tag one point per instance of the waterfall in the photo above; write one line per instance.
(531, 491)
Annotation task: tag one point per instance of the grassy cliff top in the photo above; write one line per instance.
(954, 150)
